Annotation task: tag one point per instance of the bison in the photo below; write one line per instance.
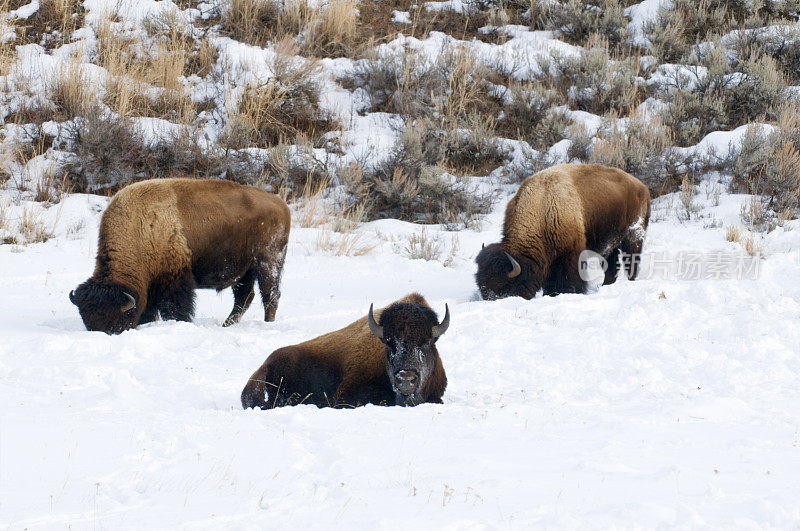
(554, 217)
(160, 239)
(393, 361)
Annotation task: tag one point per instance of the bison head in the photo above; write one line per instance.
(409, 332)
(106, 307)
(505, 274)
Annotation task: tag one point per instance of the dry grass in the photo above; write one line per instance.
(686, 196)
(33, 228)
(325, 30)
(733, 233)
(51, 188)
(280, 109)
(149, 83)
(343, 244)
(51, 25)
(422, 246)
(71, 92)
(309, 210)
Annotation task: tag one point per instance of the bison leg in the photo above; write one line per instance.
(565, 276)
(612, 261)
(176, 299)
(633, 248)
(243, 294)
(268, 271)
(149, 314)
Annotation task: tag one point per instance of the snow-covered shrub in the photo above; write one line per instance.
(472, 150)
(592, 81)
(759, 92)
(409, 185)
(781, 43)
(577, 20)
(713, 95)
(683, 23)
(530, 115)
(109, 151)
(454, 85)
(640, 145)
(769, 164)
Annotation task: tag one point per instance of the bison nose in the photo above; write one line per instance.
(407, 381)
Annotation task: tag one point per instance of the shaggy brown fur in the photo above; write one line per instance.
(352, 367)
(554, 216)
(160, 239)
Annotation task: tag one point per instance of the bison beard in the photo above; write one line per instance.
(389, 361)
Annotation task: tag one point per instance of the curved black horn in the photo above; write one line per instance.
(377, 330)
(441, 328)
(515, 268)
(483, 246)
(131, 304)
(72, 296)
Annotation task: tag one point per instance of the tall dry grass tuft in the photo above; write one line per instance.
(323, 30)
(71, 91)
(280, 109)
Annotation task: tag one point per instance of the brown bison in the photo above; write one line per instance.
(160, 239)
(393, 361)
(556, 215)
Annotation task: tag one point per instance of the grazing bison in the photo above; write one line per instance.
(390, 362)
(160, 239)
(556, 215)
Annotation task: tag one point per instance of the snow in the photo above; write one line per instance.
(662, 402)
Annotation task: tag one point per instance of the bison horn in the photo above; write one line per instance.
(377, 330)
(72, 296)
(483, 246)
(131, 304)
(515, 268)
(441, 328)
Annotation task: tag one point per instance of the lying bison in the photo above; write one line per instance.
(161, 239)
(555, 216)
(391, 362)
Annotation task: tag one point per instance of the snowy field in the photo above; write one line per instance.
(664, 402)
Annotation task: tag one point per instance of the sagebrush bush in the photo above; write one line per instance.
(720, 96)
(577, 20)
(409, 185)
(531, 116)
(769, 164)
(453, 86)
(640, 145)
(109, 151)
(592, 81)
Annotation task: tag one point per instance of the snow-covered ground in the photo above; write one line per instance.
(657, 403)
